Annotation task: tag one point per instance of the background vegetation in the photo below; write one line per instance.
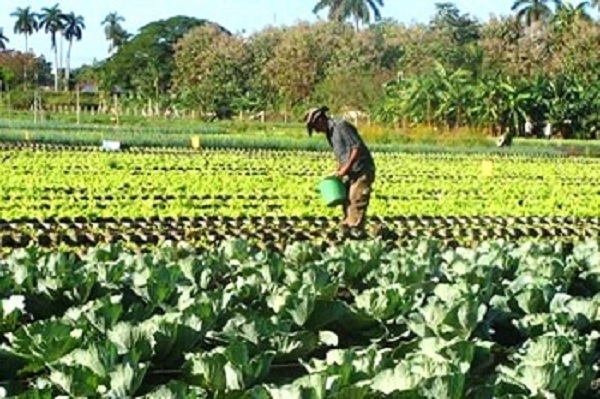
(541, 61)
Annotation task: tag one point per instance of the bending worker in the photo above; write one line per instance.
(355, 162)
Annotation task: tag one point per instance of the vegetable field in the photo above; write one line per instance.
(81, 198)
(170, 273)
(357, 321)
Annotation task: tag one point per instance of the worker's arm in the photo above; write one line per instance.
(343, 170)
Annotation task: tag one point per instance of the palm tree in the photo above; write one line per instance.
(359, 10)
(115, 34)
(3, 40)
(533, 12)
(577, 11)
(567, 13)
(73, 30)
(26, 24)
(52, 20)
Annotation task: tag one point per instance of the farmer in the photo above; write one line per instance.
(355, 163)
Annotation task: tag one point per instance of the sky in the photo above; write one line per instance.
(235, 15)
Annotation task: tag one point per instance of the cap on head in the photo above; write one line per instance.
(312, 115)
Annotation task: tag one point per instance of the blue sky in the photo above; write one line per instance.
(235, 15)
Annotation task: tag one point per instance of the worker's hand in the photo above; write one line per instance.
(344, 169)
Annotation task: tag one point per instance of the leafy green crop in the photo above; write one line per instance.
(356, 321)
(268, 183)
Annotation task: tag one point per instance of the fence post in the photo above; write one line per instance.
(116, 106)
(78, 107)
(35, 106)
(8, 104)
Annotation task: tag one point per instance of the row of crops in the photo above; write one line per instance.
(276, 233)
(266, 137)
(44, 184)
(83, 198)
(356, 321)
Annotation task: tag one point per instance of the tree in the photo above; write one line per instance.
(575, 49)
(87, 74)
(565, 17)
(145, 63)
(26, 24)
(16, 61)
(260, 49)
(52, 20)
(301, 58)
(532, 12)
(358, 61)
(211, 69)
(73, 30)
(566, 13)
(359, 10)
(459, 41)
(501, 40)
(3, 40)
(115, 34)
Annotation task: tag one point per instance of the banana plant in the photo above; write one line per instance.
(564, 104)
(423, 99)
(454, 93)
(515, 104)
(486, 107)
(590, 122)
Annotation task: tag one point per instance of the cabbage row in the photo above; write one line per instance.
(357, 321)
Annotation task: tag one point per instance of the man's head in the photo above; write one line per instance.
(316, 119)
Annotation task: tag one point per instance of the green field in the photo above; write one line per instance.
(83, 198)
(160, 132)
(357, 321)
(198, 259)
(269, 183)
(168, 272)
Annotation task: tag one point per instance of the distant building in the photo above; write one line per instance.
(88, 88)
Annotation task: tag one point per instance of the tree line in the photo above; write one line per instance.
(58, 25)
(539, 63)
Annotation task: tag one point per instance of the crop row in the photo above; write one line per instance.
(276, 233)
(356, 321)
(69, 139)
(262, 183)
(440, 154)
(282, 221)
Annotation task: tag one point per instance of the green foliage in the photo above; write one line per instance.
(533, 11)
(455, 99)
(145, 63)
(15, 64)
(191, 183)
(286, 67)
(453, 72)
(361, 11)
(114, 32)
(3, 40)
(24, 100)
(358, 321)
(210, 68)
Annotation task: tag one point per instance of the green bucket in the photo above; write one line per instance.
(333, 191)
